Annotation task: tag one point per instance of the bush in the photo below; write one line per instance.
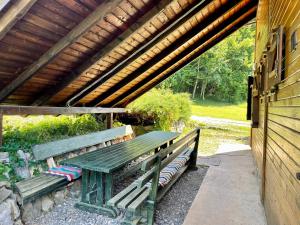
(165, 106)
(22, 133)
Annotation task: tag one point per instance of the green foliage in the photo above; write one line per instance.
(221, 72)
(22, 133)
(165, 106)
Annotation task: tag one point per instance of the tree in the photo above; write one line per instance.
(221, 72)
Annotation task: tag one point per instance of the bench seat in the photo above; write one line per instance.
(35, 187)
(161, 171)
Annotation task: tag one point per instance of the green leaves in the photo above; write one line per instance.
(165, 106)
(221, 72)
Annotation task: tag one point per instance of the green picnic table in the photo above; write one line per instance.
(101, 166)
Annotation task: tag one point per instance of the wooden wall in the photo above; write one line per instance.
(282, 136)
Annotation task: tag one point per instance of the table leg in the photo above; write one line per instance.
(96, 184)
(84, 185)
(108, 187)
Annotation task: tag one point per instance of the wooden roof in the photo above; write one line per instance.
(105, 53)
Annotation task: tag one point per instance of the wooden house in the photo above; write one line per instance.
(276, 108)
(100, 53)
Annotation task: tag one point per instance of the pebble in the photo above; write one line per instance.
(171, 210)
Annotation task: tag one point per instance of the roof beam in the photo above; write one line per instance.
(127, 61)
(236, 26)
(83, 68)
(41, 110)
(197, 44)
(13, 14)
(168, 50)
(67, 40)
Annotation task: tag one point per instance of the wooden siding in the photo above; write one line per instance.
(282, 162)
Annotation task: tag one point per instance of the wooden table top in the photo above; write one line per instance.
(111, 158)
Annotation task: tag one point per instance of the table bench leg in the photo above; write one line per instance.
(93, 190)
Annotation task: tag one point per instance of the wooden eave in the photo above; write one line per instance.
(117, 57)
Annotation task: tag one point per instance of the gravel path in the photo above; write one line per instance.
(170, 211)
(218, 121)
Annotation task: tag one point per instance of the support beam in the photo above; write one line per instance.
(109, 120)
(127, 61)
(181, 55)
(1, 130)
(41, 110)
(83, 68)
(171, 72)
(167, 51)
(66, 41)
(13, 14)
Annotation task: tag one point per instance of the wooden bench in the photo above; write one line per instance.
(33, 188)
(139, 199)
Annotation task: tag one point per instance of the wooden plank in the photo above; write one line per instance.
(265, 143)
(48, 94)
(66, 41)
(130, 198)
(54, 148)
(139, 201)
(43, 110)
(14, 13)
(113, 157)
(109, 120)
(182, 64)
(155, 40)
(120, 196)
(173, 47)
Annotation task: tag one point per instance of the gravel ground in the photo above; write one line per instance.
(170, 211)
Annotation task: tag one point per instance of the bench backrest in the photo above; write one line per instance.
(154, 164)
(55, 148)
(168, 154)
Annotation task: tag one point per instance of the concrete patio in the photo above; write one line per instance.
(229, 194)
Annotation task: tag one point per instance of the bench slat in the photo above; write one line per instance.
(55, 148)
(131, 197)
(31, 183)
(119, 197)
(139, 201)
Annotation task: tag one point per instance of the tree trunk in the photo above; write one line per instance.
(203, 88)
(195, 88)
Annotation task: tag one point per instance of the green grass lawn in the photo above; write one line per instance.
(219, 110)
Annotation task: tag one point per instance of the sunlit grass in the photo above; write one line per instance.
(212, 136)
(220, 110)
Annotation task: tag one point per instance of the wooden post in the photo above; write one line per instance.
(265, 142)
(109, 120)
(194, 154)
(1, 130)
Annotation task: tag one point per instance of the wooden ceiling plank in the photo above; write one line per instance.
(121, 102)
(126, 62)
(171, 48)
(14, 13)
(66, 41)
(48, 94)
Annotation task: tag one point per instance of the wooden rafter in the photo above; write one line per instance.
(49, 93)
(171, 48)
(42, 110)
(66, 41)
(155, 40)
(116, 102)
(14, 13)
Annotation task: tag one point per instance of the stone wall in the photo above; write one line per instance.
(12, 212)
